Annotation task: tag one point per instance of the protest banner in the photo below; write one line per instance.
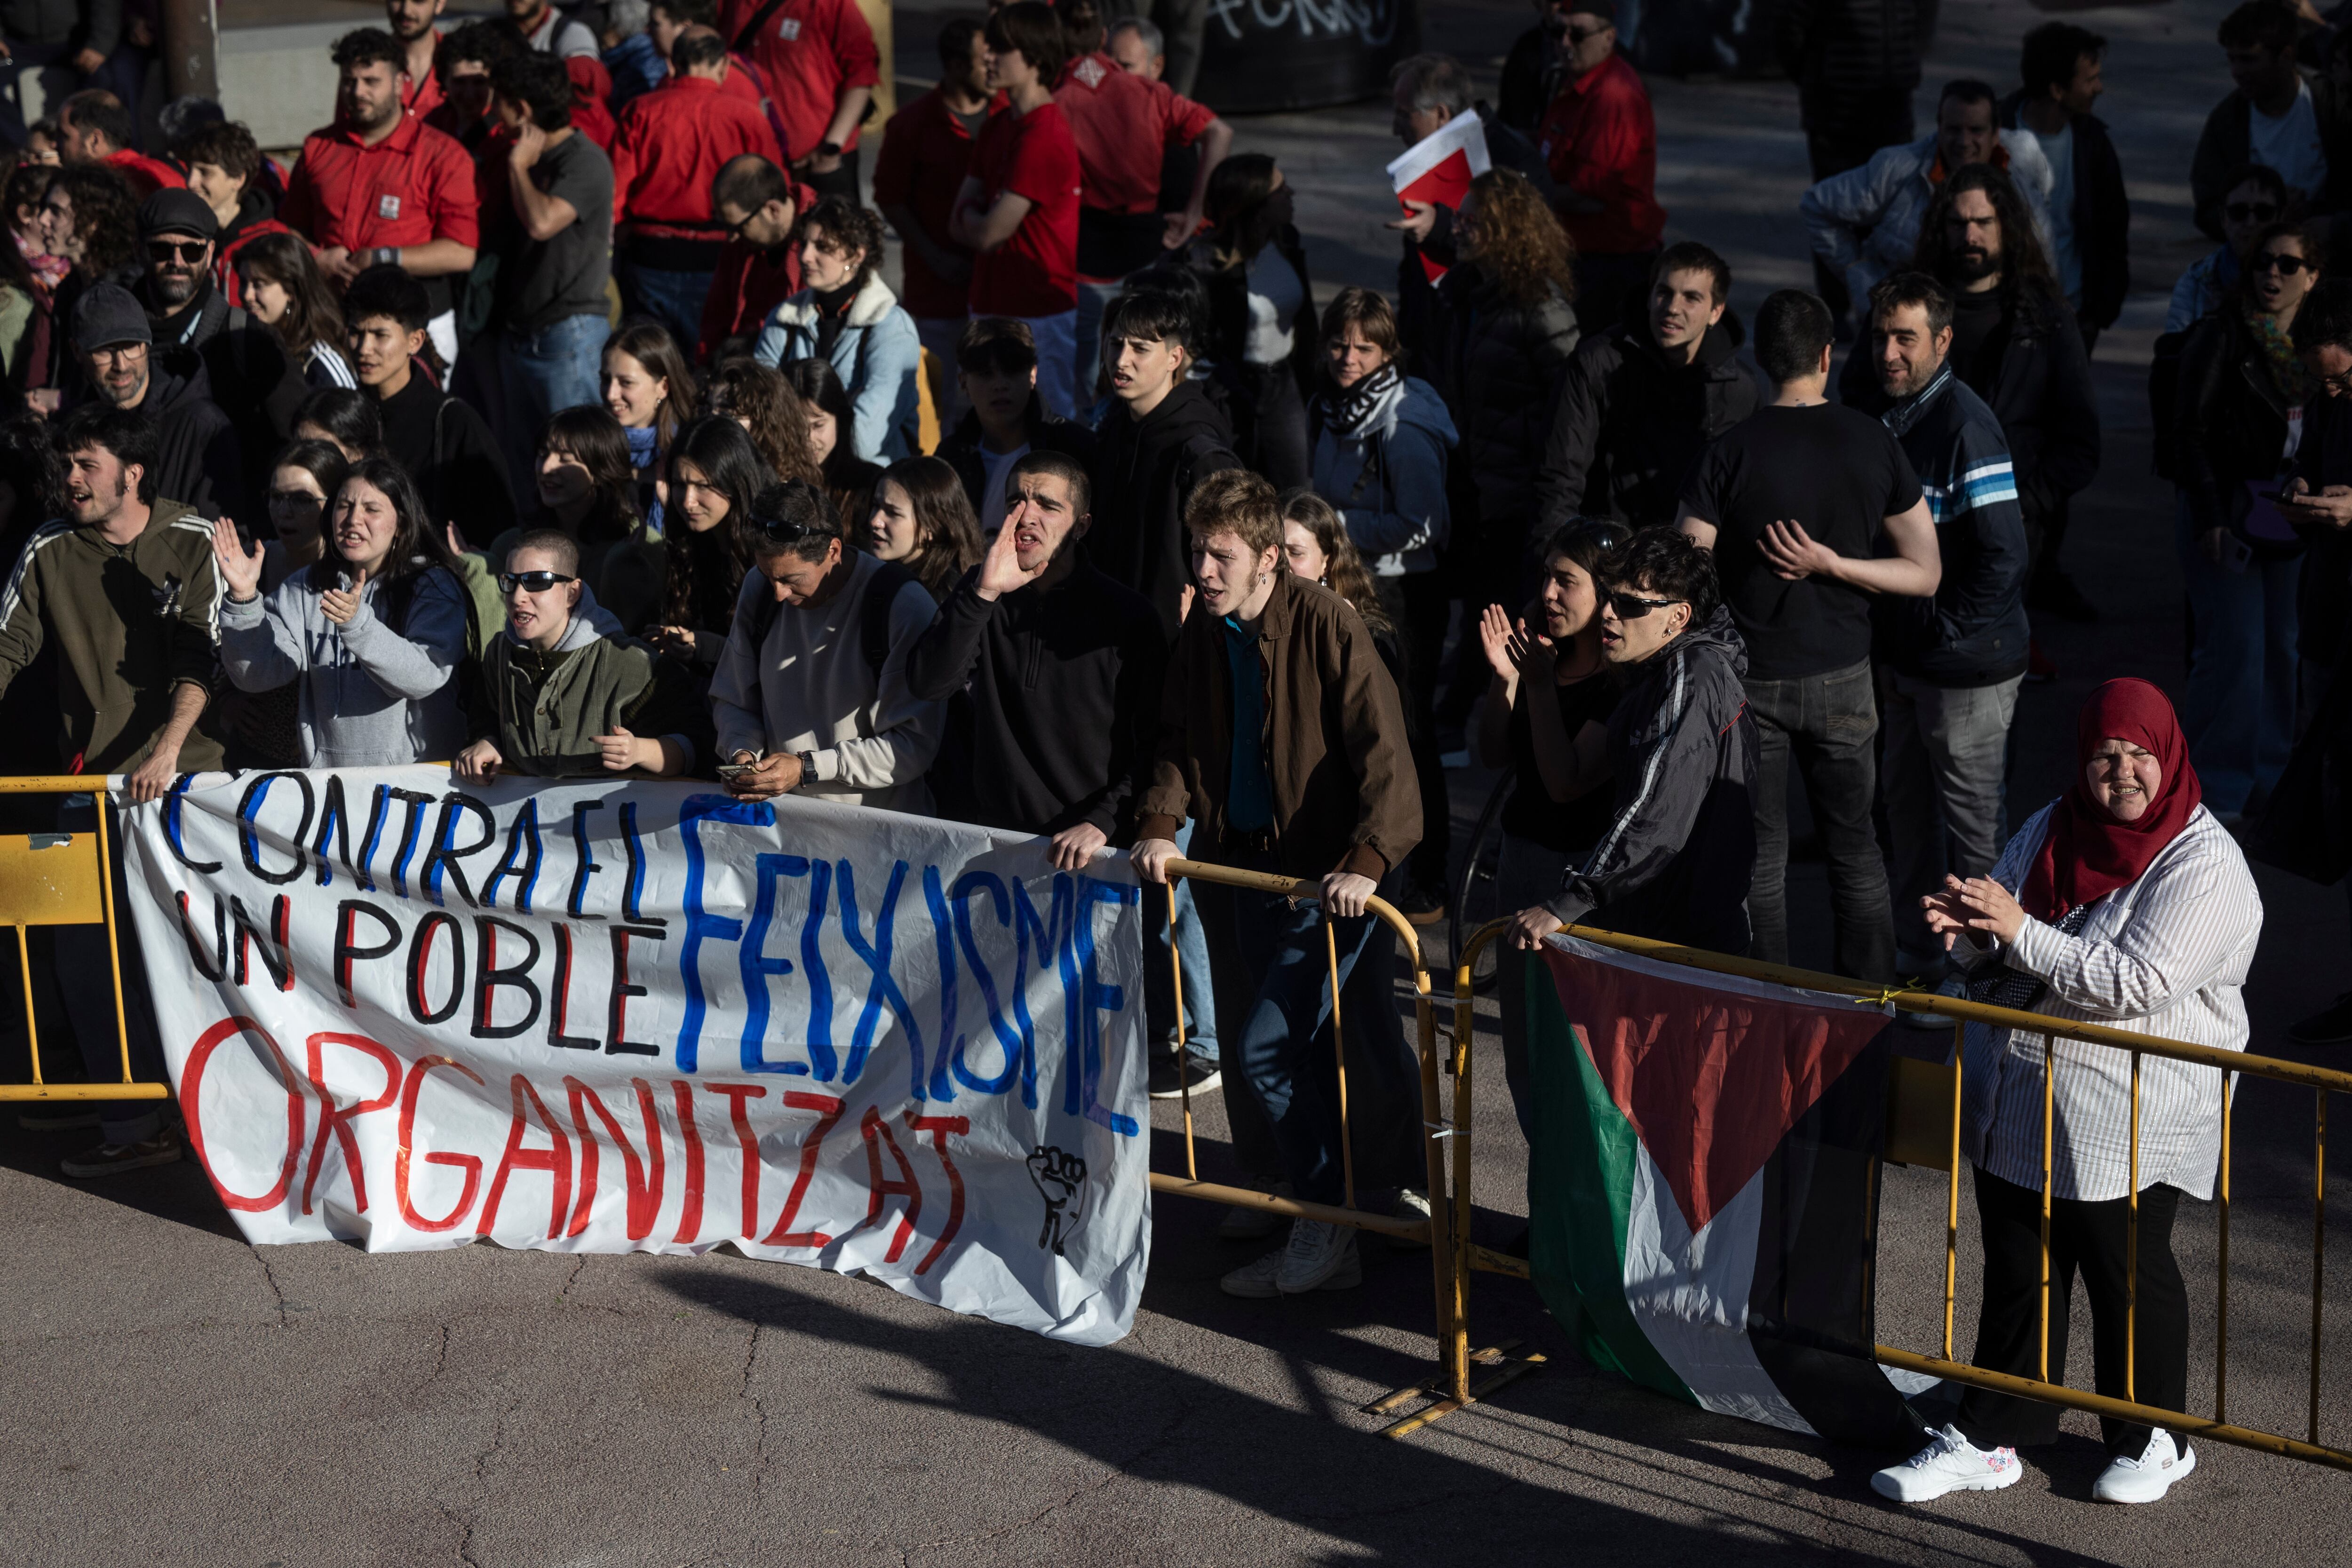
(604, 1016)
(1439, 168)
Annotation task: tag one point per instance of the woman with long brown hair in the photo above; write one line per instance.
(715, 475)
(649, 387)
(847, 479)
(922, 520)
(588, 489)
(285, 291)
(761, 401)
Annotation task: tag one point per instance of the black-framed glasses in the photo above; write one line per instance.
(2251, 212)
(531, 582)
(1577, 36)
(2281, 262)
(188, 250)
(1633, 606)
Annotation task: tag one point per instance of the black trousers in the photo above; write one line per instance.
(1417, 603)
(2093, 1239)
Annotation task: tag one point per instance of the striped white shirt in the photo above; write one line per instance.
(2166, 955)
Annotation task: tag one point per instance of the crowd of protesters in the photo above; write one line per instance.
(553, 415)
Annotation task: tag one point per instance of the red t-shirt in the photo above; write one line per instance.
(147, 175)
(671, 144)
(1600, 139)
(926, 155)
(809, 52)
(1035, 273)
(1124, 125)
(414, 186)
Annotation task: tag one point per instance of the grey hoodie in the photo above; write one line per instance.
(371, 696)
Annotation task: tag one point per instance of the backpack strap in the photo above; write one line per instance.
(751, 29)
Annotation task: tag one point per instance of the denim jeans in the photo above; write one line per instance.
(939, 335)
(673, 299)
(1057, 377)
(2239, 710)
(1192, 947)
(1825, 723)
(1940, 764)
(87, 987)
(547, 371)
(1094, 299)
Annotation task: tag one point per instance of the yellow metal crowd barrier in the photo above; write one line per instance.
(1924, 1129)
(1447, 1229)
(64, 880)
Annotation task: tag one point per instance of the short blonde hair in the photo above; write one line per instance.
(1239, 502)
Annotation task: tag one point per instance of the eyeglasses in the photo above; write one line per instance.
(2251, 212)
(531, 582)
(2280, 262)
(2336, 386)
(1577, 36)
(1633, 606)
(188, 250)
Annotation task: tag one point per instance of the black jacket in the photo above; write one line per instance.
(2324, 591)
(1531, 81)
(1144, 473)
(1973, 632)
(2227, 144)
(1843, 52)
(1500, 367)
(2101, 216)
(1681, 848)
(252, 380)
(2229, 422)
(2041, 397)
(1229, 309)
(1417, 309)
(1631, 424)
(1053, 696)
(1047, 433)
(197, 459)
(448, 450)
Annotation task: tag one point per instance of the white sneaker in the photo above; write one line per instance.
(1412, 1205)
(1319, 1257)
(1256, 1281)
(2147, 1478)
(1949, 1463)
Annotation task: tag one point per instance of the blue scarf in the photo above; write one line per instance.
(643, 455)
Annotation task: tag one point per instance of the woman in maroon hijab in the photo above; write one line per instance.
(2122, 901)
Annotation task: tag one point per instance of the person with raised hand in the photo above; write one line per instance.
(372, 632)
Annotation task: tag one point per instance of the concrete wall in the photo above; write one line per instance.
(279, 81)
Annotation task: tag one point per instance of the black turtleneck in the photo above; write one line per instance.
(832, 314)
(1980, 337)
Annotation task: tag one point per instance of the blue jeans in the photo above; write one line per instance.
(1191, 945)
(1094, 299)
(673, 299)
(546, 371)
(87, 989)
(2239, 710)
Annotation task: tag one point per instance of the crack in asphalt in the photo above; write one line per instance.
(440, 1364)
(271, 1278)
(759, 1408)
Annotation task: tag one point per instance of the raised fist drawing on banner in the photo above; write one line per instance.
(1061, 1182)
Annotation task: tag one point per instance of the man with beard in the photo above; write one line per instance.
(2016, 345)
(1052, 673)
(411, 24)
(197, 460)
(244, 362)
(759, 266)
(124, 591)
(224, 168)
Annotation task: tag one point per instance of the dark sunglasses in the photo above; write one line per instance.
(189, 250)
(1633, 606)
(2251, 212)
(1603, 533)
(533, 581)
(2276, 261)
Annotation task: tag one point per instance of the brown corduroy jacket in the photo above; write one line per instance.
(1342, 782)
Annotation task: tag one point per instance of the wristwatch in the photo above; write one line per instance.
(808, 769)
(385, 255)
(828, 149)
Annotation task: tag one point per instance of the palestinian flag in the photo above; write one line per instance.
(1704, 1187)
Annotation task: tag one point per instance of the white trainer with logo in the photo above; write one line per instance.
(1949, 1463)
(2147, 1478)
(1319, 1257)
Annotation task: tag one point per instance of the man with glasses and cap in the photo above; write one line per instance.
(564, 697)
(811, 695)
(197, 460)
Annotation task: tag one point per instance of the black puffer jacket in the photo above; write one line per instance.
(1417, 308)
(1500, 373)
(2229, 422)
(1841, 50)
(1631, 424)
(1144, 473)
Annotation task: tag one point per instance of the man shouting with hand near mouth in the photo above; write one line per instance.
(1053, 675)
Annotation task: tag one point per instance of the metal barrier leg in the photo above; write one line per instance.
(2318, 1249)
(1339, 1061)
(1183, 1050)
(2131, 1247)
(2221, 1338)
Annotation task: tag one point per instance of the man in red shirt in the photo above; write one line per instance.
(669, 20)
(1019, 206)
(820, 63)
(1601, 143)
(926, 154)
(1125, 125)
(759, 267)
(94, 128)
(411, 24)
(672, 143)
(381, 186)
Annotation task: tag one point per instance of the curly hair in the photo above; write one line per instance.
(1520, 247)
(759, 398)
(105, 217)
(2023, 263)
(845, 227)
(1344, 572)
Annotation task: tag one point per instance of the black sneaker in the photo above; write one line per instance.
(113, 1159)
(1166, 1085)
(2331, 1026)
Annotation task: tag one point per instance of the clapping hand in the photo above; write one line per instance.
(240, 571)
(1977, 905)
(339, 604)
(1506, 643)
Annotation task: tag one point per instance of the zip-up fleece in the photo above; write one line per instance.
(130, 622)
(548, 708)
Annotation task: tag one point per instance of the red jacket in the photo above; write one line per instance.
(1600, 139)
(414, 186)
(809, 52)
(749, 283)
(672, 142)
(592, 88)
(147, 175)
(926, 155)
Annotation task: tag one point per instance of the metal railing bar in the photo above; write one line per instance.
(1296, 1208)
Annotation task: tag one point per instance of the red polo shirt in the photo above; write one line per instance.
(671, 144)
(424, 97)
(147, 175)
(1600, 139)
(926, 155)
(809, 52)
(1124, 124)
(414, 186)
(1035, 273)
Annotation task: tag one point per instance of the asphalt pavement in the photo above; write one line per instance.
(169, 1394)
